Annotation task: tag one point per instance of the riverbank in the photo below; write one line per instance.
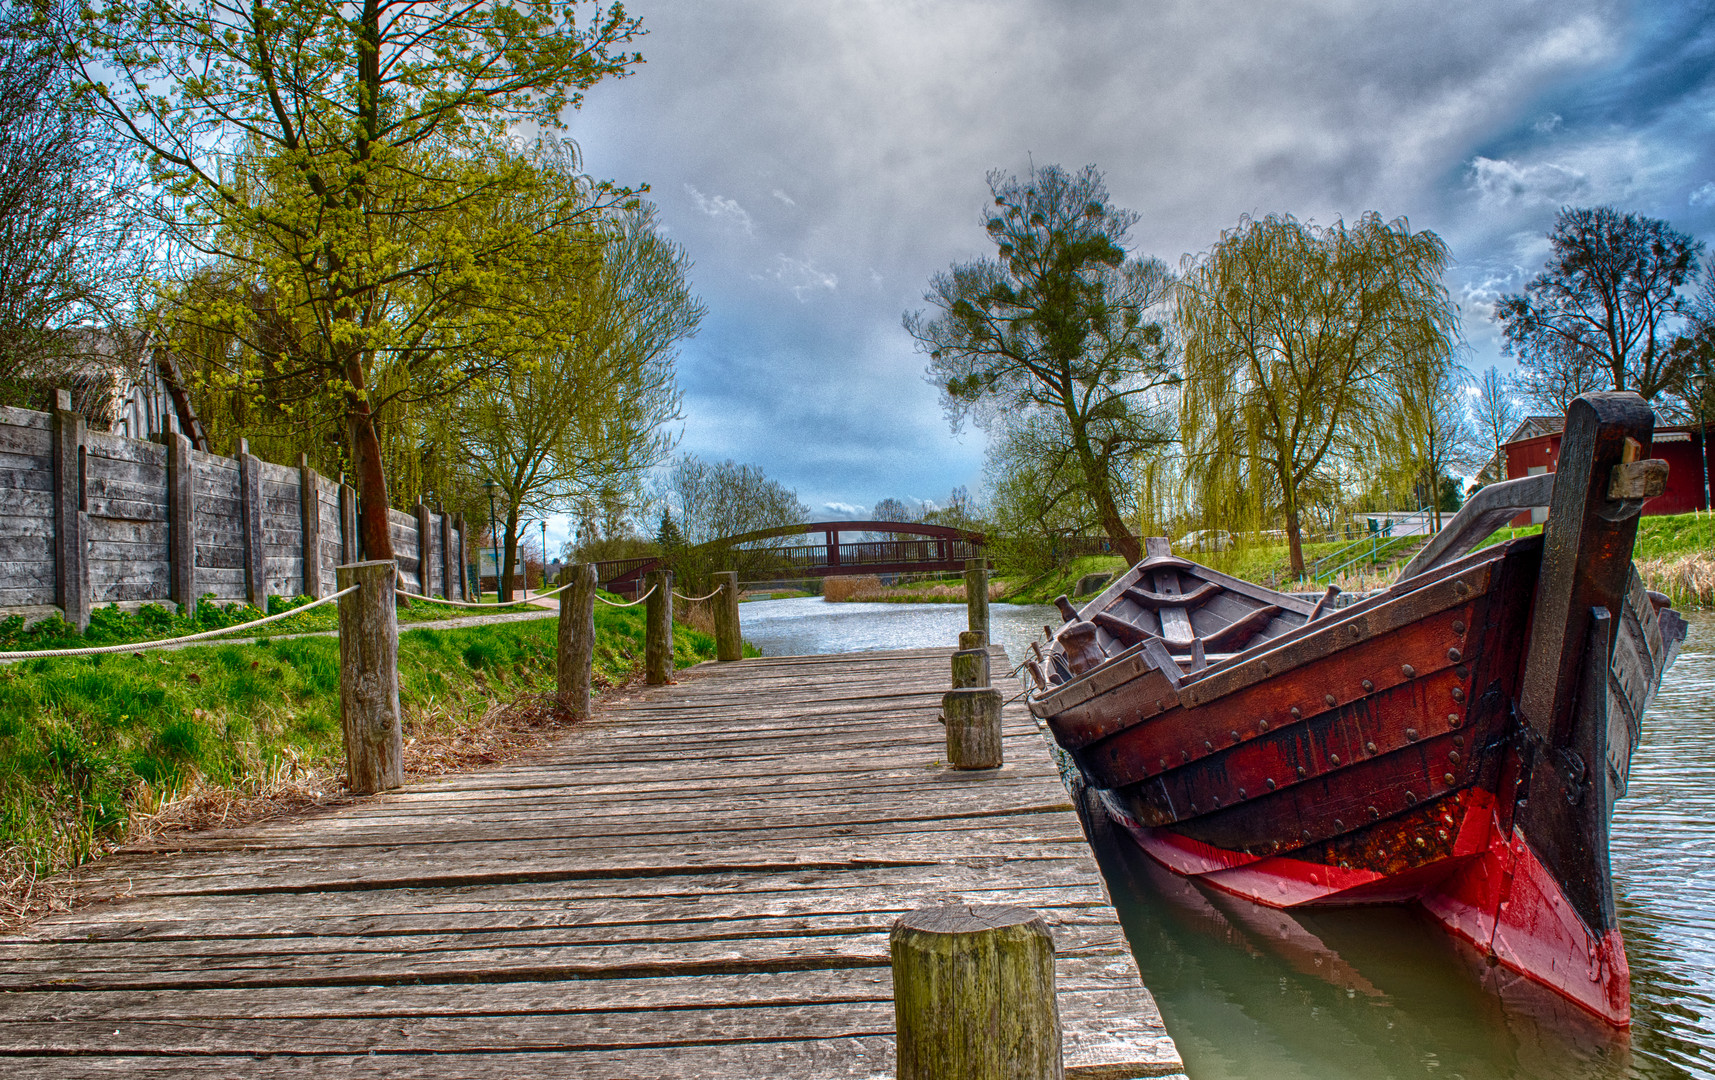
(96, 751)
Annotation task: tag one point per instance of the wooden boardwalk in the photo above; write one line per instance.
(697, 884)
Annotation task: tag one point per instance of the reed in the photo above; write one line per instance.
(1688, 580)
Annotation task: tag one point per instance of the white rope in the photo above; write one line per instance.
(699, 599)
(138, 646)
(634, 603)
(486, 607)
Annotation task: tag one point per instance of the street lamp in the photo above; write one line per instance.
(493, 537)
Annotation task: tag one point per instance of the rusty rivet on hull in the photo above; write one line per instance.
(1462, 671)
(1458, 626)
(1421, 842)
(1335, 758)
(1411, 798)
(1207, 745)
(1235, 735)
(1369, 687)
(1408, 671)
(1454, 720)
(1328, 699)
(1217, 801)
(1338, 824)
(1453, 655)
(1410, 734)
(1295, 713)
(1447, 777)
(1442, 833)
(1270, 783)
(1305, 834)
(1370, 746)
(1241, 793)
(1164, 763)
(1300, 772)
(1461, 588)
(1184, 755)
(1374, 813)
(1458, 740)
(1262, 725)
(1453, 756)
(1458, 693)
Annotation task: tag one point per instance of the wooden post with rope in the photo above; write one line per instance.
(577, 640)
(658, 629)
(729, 645)
(369, 677)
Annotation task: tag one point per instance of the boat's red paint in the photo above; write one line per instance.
(1493, 892)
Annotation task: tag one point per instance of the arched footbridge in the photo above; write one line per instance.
(911, 548)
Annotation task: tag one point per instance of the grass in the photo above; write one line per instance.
(152, 622)
(94, 749)
(1043, 588)
(867, 588)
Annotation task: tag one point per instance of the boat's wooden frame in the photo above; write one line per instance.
(1448, 741)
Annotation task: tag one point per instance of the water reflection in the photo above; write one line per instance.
(1250, 992)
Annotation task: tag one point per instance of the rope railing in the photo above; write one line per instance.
(488, 607)
(138, 646)
(699, 599)
(633, 603)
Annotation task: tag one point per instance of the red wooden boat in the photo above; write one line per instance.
(1456, 740)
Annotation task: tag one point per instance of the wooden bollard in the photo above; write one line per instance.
(577, 640)
(658, 629)
(970, 668)
(973, 727)
(369, 677)
(973, 639)
(973, 995)
(729, 645)
(977, 594)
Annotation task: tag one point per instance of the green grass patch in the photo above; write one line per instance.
(90, 744)
(1043, 588)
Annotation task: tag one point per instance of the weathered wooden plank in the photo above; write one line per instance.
(120, 448)
(25, 473)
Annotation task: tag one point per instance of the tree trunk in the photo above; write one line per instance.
(504, 585)
(365, 449)
(1096, 485)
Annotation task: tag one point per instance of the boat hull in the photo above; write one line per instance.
(1380, 759)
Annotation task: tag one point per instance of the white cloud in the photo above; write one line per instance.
(801, 277)
(783, 197)
(1703, 196)
(723, 209)
(1546, 183)
(852, 511)
(1548, 125)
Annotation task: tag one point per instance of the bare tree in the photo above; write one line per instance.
(1496, 416)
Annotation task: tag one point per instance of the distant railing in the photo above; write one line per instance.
(1386, 537)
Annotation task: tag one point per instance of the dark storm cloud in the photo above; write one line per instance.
(821, 161)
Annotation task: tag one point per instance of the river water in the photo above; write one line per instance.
(1250, 992)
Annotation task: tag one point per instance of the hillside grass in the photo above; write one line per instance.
(97, 750)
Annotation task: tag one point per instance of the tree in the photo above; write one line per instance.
(1035, 495)
(891, 509)
(581, 410)
(1292, 333)
(1429, 434)
(1495, 416)
(1606, 299)
(70, 250)
(1060, 323)
(715, 500)
(341, 154)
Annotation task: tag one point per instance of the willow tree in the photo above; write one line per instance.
(1060, 323)
(367, 128)
(1292, 334)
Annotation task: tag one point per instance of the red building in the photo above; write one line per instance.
(1535, 448)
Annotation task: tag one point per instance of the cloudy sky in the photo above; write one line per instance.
(821, 161)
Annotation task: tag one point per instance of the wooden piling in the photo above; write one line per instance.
(250, 503)
(973, 727)
(977, 594)
(970, 668)
(973, 995)
(973, 639)
(658, 629)
(181, 522)
(310, 518)
(729, 644)
(577, 640)
(369, 677)
(71, 541)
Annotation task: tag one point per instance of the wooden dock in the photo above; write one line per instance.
(697, 884)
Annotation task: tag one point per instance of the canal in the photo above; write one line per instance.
(1250, 993)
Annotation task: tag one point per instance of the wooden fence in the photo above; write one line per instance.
(90, 518)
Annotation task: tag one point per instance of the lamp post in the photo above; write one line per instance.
(544, 554)
(493, 537)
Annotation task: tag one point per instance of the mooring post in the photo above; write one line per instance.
(973, 727)
(973, 639)
(369, 677)
(658, 629)
(729, 645)
(970, 668)
(577, 640)
(977, 594)
(973, 995)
